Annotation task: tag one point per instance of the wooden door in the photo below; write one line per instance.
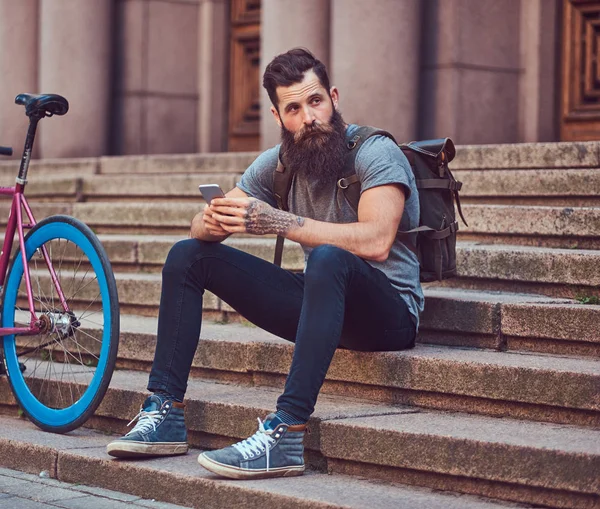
(244, 80)
(581, 70)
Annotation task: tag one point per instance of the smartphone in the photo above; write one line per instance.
(210, 191)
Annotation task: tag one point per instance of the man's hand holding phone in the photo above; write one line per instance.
(224, 216)
(212, 225)
(209, 192)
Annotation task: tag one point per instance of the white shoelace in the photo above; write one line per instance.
(147, 421)
(260, 441)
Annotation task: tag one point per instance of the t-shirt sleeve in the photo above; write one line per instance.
(380, 161)
(257, 180)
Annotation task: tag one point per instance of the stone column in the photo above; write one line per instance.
(538, 110)
(375, 62)
(286, 24)
(75, 61)
(212, 75)
(19, 68)
(471, 71)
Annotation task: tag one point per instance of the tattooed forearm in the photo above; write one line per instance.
(262, 219)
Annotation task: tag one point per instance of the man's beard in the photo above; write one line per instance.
(317, 151)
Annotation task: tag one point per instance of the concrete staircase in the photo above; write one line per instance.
(500, 398)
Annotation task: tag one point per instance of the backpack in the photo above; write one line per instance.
(438, 189)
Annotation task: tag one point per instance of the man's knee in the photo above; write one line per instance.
(327, 260)
(183, 253)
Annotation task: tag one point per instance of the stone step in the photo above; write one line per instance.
(431, 448)
(79, 457)
(482, 308)
(555, 272)
(565, 227)
(21, 490)
(509, 322)
(468, 157)
(560, 273)
(499, 320)
(225, 162)
(577, 227)
(558, 187)
(452, 316)
(162, 187)
(40, 169)
(564, 187)
(118, 217)
(136, 187)
(540, 387)
(234, 162)
(527, 156)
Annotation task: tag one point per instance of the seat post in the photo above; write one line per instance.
(22, 177)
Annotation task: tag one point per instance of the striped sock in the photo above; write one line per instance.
(288, 418)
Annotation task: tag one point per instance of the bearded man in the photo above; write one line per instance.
(360, 288)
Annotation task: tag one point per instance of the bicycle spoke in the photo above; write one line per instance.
(82, 287)
(77, 268)
(67, 363)
(90, 336)
(82, 315)
(88, 321)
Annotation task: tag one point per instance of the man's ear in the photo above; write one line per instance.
(276, 115)
(335, 96)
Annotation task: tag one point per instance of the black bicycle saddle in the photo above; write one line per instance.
(43, 105)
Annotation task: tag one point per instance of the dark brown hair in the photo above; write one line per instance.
(289, 68)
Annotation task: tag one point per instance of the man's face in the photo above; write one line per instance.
(312, 130)
(305, 104)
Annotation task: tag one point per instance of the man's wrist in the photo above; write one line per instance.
(262, 219)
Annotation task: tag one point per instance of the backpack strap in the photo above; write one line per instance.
(350, 182)
(282, 183)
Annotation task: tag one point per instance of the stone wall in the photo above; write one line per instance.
(152, 76)
(156, 82)
(480, 71)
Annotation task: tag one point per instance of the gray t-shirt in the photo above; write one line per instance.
(379, 161)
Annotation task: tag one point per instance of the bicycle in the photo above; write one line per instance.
(60, 309)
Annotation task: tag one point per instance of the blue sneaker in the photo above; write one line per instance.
(160, 431)
(275, 450)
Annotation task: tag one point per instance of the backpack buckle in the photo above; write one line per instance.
(352, 143)
(342, 184)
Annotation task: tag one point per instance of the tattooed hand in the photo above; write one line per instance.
(249, 215)
(261, 219)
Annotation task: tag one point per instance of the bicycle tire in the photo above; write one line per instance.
(36, 393)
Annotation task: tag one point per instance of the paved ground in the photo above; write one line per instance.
(26, 491)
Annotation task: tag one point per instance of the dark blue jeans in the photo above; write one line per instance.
(339, 301)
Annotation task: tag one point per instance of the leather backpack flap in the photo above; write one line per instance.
(439, 148)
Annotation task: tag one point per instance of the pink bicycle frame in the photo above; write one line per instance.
(15, 222)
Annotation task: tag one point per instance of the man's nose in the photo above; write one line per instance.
(309, 117)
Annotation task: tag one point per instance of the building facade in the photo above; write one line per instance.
(183, 76)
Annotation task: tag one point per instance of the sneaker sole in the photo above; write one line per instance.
(241, 473)
(143, 449)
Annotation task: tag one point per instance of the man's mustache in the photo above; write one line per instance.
(314, 129)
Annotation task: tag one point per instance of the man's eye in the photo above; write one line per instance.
(316, 100)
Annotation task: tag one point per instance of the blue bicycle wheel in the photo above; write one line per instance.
(69, 364)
